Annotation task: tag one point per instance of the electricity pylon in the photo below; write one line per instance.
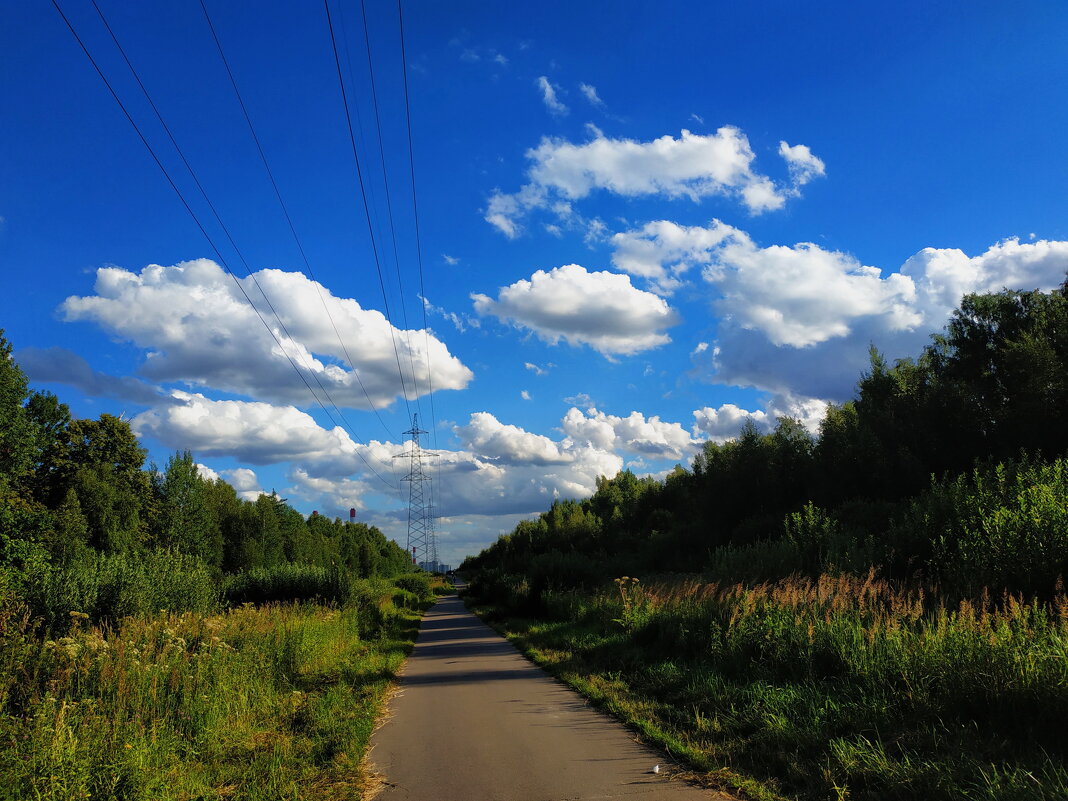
(422, 543)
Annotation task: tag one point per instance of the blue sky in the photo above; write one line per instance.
(639, 224)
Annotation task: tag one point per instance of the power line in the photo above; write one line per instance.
(418, 238)
(222, 225)
(363, 195)
(285, 212)
(248, 270)
(199, 224)
(389, 202)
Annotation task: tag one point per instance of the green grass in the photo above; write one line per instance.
(837, 688)
(276, 702)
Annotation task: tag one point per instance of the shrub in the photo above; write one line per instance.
(109, 587)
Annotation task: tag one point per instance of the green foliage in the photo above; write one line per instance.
(186, 521)
(109, 587)
(1000, 526)
(262, 703)
(285, 582)
(839, 682)
(17, 433)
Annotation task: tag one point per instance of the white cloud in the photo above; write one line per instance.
(579, 399)
(335, 494)
(662, 252)
(245, 482)
(804, 295)
(799, 320)
(206, 472)
(242, 479)
(199, 328)
(724, 423)
(599, 309)
(548, 96)
(461, 322)
(491, 439)
(250, 431)
(524, 394)
(538, 370)
(504, 469)
(450, 260)
(635, 433)
(693, 166)
(590, 93)
(802, 164)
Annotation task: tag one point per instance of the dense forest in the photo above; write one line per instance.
(85, 524)
(946, 466)
(162, 638)
(876, 612)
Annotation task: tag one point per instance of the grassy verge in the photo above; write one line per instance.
(838, 688)
(276, 702)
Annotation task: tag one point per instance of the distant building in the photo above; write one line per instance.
(435, 567)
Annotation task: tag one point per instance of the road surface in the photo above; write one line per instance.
(473, 720)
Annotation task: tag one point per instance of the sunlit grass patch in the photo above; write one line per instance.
(254, 703)
(843, 686)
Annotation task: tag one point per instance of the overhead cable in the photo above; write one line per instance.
(199, 224)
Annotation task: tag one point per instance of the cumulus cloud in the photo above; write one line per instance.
(499, 469)
(799, 319)
(599, 309)
(198, 328)
(335, 494)
(548, 96)
(66, 367)
(635, 433)
(245, 481)
(250, 431)
(725, 422)
(803, 165)
(693, 166)
(662, 252)
(206, 472)
(491, 439)
(503, 469)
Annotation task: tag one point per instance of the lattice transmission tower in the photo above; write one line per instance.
(422, 542)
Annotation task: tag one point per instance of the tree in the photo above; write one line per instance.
(17, 434)
(101, 460)
(186, 520)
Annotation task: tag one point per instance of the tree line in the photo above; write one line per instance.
(946, 467)
(76, 490)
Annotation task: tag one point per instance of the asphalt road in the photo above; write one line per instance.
(473, 720)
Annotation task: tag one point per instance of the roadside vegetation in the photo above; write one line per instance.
(163, 638)
(876, 612)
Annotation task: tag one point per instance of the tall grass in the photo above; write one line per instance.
(276, 702)
(109, 587)
(841, 686)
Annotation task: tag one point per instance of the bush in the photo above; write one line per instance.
(1004, 526)
(109, 587)
(418, 584)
